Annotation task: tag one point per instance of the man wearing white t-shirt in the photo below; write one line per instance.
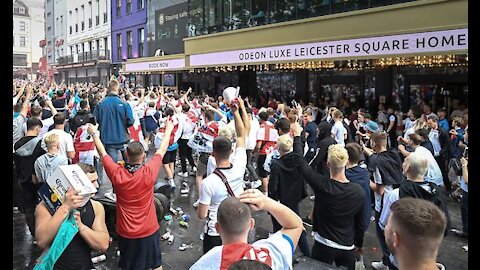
(338, 132)
(66, 141)
(36, 112)
(234, 223)
(213, 189)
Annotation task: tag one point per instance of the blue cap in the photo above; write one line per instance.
(371, 126)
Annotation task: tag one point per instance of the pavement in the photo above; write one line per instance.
(25, 252)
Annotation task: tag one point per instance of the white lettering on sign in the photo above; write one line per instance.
(155, 65)
(437, 41)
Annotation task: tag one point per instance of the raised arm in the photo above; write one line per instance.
(26, 103)
(313, 178)
(239, 127)
(46, 225)
(245, 118)
(93, 131)
(22, 89)
(166, 138)
(291, 223)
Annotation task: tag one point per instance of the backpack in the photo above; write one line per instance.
(413, 189)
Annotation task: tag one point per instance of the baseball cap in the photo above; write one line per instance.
(371, 126)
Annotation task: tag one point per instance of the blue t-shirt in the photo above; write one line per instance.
(444, 124)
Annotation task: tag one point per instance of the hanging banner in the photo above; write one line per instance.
(438, 41)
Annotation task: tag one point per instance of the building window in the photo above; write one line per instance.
(105, 17)
(76, 27)
(97, 20)
(71, 29)
(119, 46)
(49, 29)
(83, 25)
(119, 8)
(140, 4)
(141, 40)
(22, 41)
(129, 6)
(20, 60)
(89, 22)
(22, 26)
(49, 14)
(21, 10)
(129, 44)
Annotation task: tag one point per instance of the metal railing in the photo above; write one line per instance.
(85, 57)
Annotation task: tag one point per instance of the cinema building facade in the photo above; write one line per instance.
(366, 52)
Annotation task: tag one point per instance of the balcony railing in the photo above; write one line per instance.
(85, 57)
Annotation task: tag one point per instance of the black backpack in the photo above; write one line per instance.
(414, 189)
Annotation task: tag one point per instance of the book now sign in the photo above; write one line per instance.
(426, 42)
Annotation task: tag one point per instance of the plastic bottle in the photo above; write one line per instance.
(98, 259)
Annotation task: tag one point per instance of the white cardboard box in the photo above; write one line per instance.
(66, 176)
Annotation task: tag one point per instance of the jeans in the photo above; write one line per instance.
(381, 240)
(251, 170)
(185, 152)
(329, 255)
(112, 151)
(302, 242)
(464, 211)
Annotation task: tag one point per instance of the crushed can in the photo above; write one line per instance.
(184, 224)
(186, 217)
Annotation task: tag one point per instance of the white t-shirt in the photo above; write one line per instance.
(66, 141)
(434, 174)
(339, 131)
(252, 136)
(212, 163)
(213, 191)
(280, 248)
(47, 123)
(378, 198)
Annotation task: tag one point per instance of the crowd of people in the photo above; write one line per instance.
(245, 156)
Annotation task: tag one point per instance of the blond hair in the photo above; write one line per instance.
(337, 157)
(51, 140)
(227, 131)
(284, 143)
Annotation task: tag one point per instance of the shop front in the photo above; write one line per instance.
(154, 71)
(346, 58)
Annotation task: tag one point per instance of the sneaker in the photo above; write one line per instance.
(195, 204)
(307, 222)
(185, 189)
(193, 172)
(183, 174)
(172, 184)
(256, 183)
(379, 266)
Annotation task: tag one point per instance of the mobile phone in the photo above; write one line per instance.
(465, 152)
(294, 103)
